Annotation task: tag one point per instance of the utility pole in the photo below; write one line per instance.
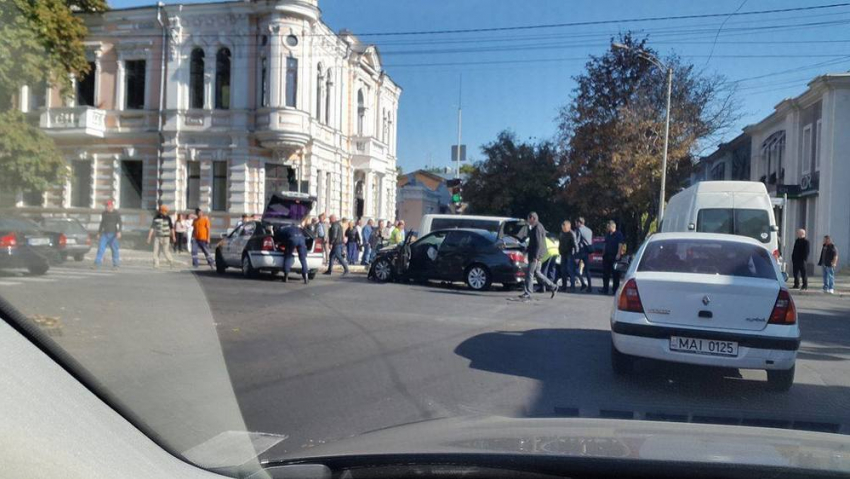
(459, 123)
(666, 141)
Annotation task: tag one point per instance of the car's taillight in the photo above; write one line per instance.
(317, 245)
(630, 298)
(268, 244)
(515, 256)
(784, 311)
(63, 240)
(8, 241)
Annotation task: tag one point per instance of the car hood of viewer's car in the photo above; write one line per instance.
(601, 439)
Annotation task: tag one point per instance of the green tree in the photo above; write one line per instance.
(41, 42)
(612, 133)
(515, 179)
(467, 169)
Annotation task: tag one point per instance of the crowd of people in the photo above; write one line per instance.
(574, 247)
(349, 241)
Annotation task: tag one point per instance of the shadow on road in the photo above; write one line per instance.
(573, 368)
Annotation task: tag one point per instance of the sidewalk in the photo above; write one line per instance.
(842, 283)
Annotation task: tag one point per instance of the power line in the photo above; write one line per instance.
(604, 22)
(721, 28)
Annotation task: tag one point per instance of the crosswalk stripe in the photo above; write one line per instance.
(8, 283)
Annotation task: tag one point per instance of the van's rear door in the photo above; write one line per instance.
(514, 228)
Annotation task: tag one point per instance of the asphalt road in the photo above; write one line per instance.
(343, 356)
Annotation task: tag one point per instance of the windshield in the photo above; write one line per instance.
(751, 223)
(277, 230)
(707, 257)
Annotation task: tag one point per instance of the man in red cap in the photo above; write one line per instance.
(163, 228)
(108, 234)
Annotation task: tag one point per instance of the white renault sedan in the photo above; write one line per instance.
(706, 299)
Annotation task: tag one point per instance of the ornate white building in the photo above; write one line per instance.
(217, 105)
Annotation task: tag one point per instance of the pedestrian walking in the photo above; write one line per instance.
(387, 231)
(367, 242)
(293, 239)
(584, 237)
(614, 242)
(201, 238)
(568, 247)
(162, 234)
(109, 234)
(337, 241)
(352, 237)
(189, 219)
(828, 261)
(799, 257)
(322, 236)
(535, 251)
(549, 261)
(180, 229)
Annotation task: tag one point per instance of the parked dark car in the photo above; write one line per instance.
(477, 257)
(596, 256)
(23, 244)
(251, 246)
(77, 240)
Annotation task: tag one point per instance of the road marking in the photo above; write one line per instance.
(30, 279)
(8, 283)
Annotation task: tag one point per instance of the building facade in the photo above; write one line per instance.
(730, 162)
(805, 143)
(420, 193)
(217, 106)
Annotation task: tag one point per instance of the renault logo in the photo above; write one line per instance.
(706, 300)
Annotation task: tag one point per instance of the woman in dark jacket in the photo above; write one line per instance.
(353, 242)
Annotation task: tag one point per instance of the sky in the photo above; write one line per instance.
(519, 79)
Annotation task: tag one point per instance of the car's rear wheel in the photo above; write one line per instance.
(622, 364)
(478, 277)
(220, 265)
(248, 270)
(79, 257)
(38, 269)
(779, 379)
(383, 270)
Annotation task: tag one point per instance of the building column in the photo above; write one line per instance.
(170, 176)
(368, 207)
(276, 69)
(238, 180)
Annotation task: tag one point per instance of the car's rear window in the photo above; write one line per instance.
(735, 221)
(725, 258)
(66, 227)
(460, 222)
(17, 224)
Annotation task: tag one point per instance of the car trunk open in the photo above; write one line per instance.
(287, 208)
(707, 301)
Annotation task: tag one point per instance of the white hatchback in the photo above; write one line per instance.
(706, 299)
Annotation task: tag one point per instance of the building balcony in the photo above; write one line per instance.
(82, 121)
(283, 128)
(203, 120)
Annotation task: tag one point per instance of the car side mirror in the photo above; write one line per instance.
(222, 235)
(691, 226)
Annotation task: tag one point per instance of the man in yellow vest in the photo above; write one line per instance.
(549, 260)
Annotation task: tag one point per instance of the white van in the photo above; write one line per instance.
(500, 225)
(731, 207)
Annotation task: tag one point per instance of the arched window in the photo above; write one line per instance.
(329, 85)
(361, 112)
(222, 79)
(196, 79)
(320, 80)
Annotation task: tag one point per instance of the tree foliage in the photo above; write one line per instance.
(515, 179)
(41, 42)
(612, 133)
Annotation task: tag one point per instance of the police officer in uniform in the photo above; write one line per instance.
(292, 239)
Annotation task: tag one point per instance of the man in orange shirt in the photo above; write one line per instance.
(201, 238)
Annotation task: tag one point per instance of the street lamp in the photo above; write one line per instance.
(655, 61)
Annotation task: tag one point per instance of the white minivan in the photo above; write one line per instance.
(729, 207)
(500, 225)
